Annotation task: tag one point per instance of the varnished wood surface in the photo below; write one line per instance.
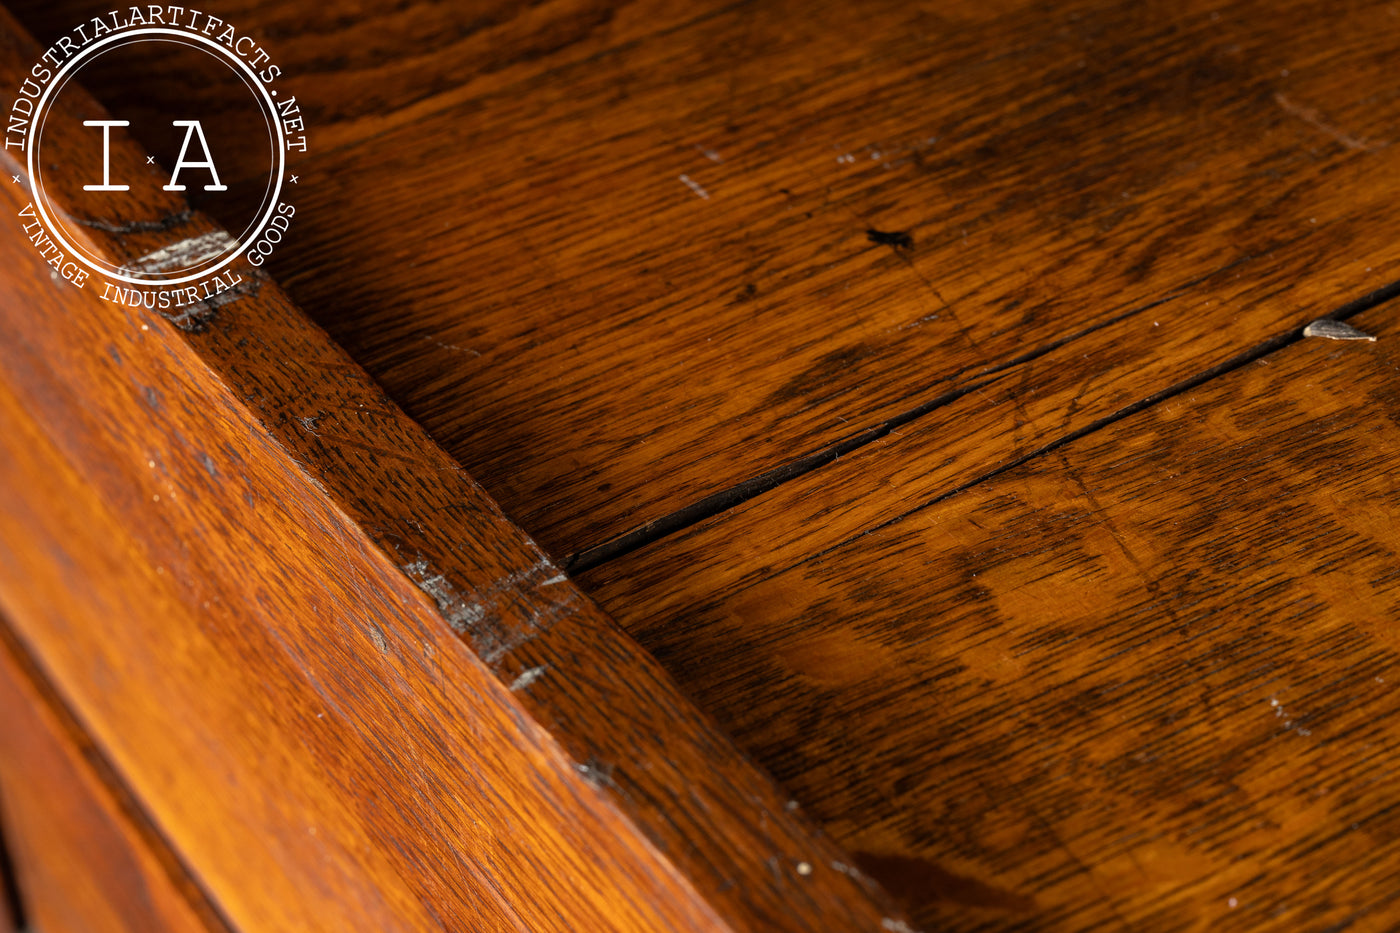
(350, 693)
(1142, 681)
(505, 240)
(84, 852)
(1017, 629)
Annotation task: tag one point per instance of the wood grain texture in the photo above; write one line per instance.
(626, 263)
(322, 657)
(84, 852)
(1141, 681)
(601, 343)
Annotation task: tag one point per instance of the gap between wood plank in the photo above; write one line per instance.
(716, 503)
(11, 899)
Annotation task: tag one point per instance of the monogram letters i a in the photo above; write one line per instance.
(192, 129)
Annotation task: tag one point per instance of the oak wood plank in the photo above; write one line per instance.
(323, 657)
(86, 856)
(1143, 680)
(618, 277)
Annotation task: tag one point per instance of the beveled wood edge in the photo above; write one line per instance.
(665, 765)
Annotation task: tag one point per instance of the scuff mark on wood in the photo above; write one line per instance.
(897, 926)
(194, 318)
(450, 346)
(695, 186)
(484, 618)
(184, 254)
(528, 677)
(1314, 119)
(596, 773)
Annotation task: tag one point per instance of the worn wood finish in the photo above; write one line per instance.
(1026, 639)
(601, 345)
(347, 688)
(1143, 680)
(87, 857)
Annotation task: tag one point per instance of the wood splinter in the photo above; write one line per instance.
(1335, 330)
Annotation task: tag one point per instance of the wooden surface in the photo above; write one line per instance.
(922, 386)
(526, 272)
(1142, 680)
(349, 692)
(86, 855)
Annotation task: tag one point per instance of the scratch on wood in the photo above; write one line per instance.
(695, 186)
(194, 317)
(1335, 330)
(450, 346)
(1314, 119)
(183, 254)
(845, 869)
(168, 222)
(478, 616)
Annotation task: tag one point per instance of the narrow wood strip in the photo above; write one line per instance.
(718, 503)
(1008, 418)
